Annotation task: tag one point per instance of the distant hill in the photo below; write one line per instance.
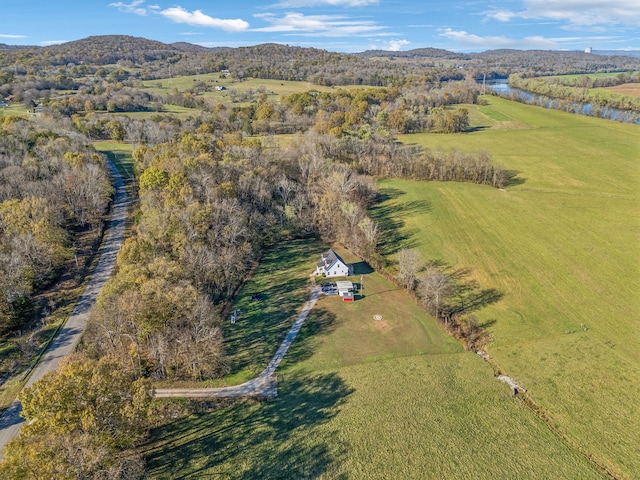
(106, 49)
(5, 47)
(152, 59)
(622, 53)
(415, 53)
(550, 62)
(190, 47)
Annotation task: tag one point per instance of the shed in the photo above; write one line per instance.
(344, 287)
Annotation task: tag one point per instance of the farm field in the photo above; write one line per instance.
(359, 397)
(631, 89)
(578, 76)
(561, 245)
(275, 87)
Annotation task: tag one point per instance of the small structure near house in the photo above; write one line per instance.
(345, 288)
(331, 265)
(348, 297)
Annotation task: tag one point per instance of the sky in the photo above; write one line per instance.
(335, 25)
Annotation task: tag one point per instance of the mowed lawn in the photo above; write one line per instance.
(369, 390)
(562, 246)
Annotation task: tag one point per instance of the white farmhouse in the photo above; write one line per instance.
(331, 265)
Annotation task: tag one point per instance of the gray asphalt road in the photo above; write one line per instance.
(69, 335)
(264, 385)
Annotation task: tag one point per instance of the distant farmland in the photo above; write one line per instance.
(632, 89)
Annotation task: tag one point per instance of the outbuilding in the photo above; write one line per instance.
(345, 287)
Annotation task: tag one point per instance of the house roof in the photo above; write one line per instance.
(330, 257)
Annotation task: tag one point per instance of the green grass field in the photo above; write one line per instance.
(121, 155)
(358, 397)
(15, 110)
(562, 246)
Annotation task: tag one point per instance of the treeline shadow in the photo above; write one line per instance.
(319, 322)
(469, 295)
(389, 217)
(512, 178)
(262, 325)
(362, 268)
(250, 440)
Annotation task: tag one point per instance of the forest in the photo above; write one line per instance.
(214, 189)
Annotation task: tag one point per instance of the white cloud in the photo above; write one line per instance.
(334, 3)
(199, 19)
(319, 25)
(502, 15)
(133, 7)
(8, 35)
(391, 45)
(469, 40)
(583, 13)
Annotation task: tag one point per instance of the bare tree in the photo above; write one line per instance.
(435, 287)
(409, 265)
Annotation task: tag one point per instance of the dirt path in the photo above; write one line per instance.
(264, 385)
(69, 335)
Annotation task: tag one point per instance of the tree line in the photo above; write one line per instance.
(574, 93)
(446, 294)
(51, 185)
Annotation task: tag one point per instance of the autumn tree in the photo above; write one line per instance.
(80, 420)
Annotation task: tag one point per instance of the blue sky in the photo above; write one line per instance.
(336, 25)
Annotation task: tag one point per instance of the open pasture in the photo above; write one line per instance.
(359, 397)
(561, 244)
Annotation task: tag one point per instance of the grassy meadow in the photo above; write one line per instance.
(357, 397)
(561, 244)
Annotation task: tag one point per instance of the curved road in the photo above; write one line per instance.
(264, 385)
(69, 335)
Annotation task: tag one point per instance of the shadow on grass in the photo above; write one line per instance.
(279, 439)
(469, 295)
(389, 217)
(513, 179)
(319, 322)
(262, 326)
(362, 268)
(479, 128)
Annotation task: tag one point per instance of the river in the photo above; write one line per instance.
(501, 88)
